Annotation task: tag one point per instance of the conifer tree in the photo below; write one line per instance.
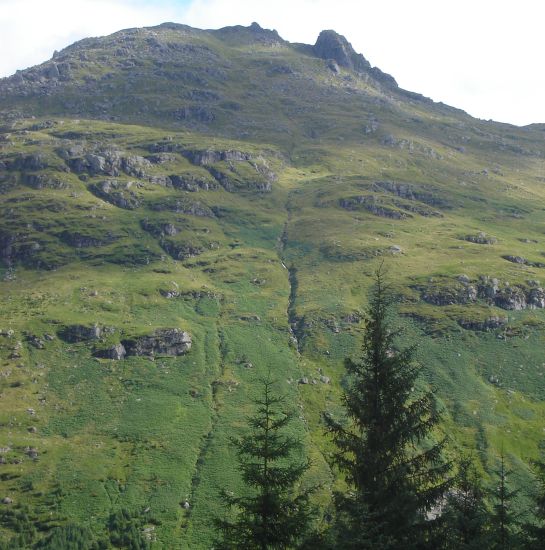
(504, 518)
(395, 472)
(536, 531)
(272, 514)
(465, 517)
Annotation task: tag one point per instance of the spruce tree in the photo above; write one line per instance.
(536, 531)
(395, 472)
(504, 517)
(272, 515)
(465, 517)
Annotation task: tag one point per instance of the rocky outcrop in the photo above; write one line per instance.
(193, 182)
(451, 294)
(168, 341)
(32, 162)
(412, 192)
(80, 333)
(158, 229)
(80, 240)
(181, 250)
(116, 352)
(489, 289)
(490, 323)
(536, 298)
(480, 238)
(335, 48)
(373, 205)
(44, 181)
(197, 113)
(107, 162)
(116, 192)
(331, 45)
(209, 156)
(183, 206)
(522, 261)
(231, 182)
(511, 298)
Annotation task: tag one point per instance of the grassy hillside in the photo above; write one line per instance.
(242, 189)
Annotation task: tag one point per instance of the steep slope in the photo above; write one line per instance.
(241, 190)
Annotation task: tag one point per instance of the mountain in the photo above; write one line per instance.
(185, 210)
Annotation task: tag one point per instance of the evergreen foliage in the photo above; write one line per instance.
(70, 537)
(536, 532)
(272, 514)
(504, 517)
(465, 517)
(126, 531)
(396, 473)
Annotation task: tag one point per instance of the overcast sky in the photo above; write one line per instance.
(484, 56)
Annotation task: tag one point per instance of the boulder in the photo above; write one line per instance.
(168, 341)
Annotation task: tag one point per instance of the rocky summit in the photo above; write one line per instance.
(183, 211)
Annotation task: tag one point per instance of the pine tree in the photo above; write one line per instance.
(396, 473)
(272, 515)
(504, 518)
(465, 517)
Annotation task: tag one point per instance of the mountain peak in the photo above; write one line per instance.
(331, 45)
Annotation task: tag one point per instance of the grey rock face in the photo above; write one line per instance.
(331, 45)
(44, 181)
(108, 162)
(117, 193)
(450, 295)
(191, 182)
(488, 287)
(116, 352)
(485, 325)
(373, 205)
(512, 298)
(209, 156)
(168, 341)
(80, 333)
(536, 298)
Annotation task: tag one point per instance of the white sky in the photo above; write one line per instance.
(484, 56)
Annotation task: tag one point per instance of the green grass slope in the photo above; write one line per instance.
(243, 189)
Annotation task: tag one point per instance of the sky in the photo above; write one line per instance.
(483, 56)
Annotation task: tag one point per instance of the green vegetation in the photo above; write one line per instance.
(272, 515)
(233, 186)
(396, 473)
